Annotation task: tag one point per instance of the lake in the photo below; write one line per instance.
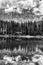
(23, 42)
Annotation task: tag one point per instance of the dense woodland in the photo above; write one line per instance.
(26, 28)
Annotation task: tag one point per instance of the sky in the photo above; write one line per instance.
(15, 2)
(20, 4)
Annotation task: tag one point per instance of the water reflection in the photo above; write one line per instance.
(23, 42)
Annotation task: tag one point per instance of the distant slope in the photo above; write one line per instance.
(24, 16)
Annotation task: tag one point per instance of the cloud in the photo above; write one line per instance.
(3, 3)
(39, 11)
(41, 7)
(20, 4)
(16, 2)
(9, 10)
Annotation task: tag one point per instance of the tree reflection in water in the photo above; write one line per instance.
(20, 43)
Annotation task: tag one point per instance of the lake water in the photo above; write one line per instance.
(23, 42)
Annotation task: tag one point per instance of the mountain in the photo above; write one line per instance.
(24, 16)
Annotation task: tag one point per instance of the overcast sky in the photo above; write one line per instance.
(22, 4)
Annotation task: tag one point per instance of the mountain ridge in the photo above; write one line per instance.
(25, 15)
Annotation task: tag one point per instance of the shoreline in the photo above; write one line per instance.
(20, 36)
